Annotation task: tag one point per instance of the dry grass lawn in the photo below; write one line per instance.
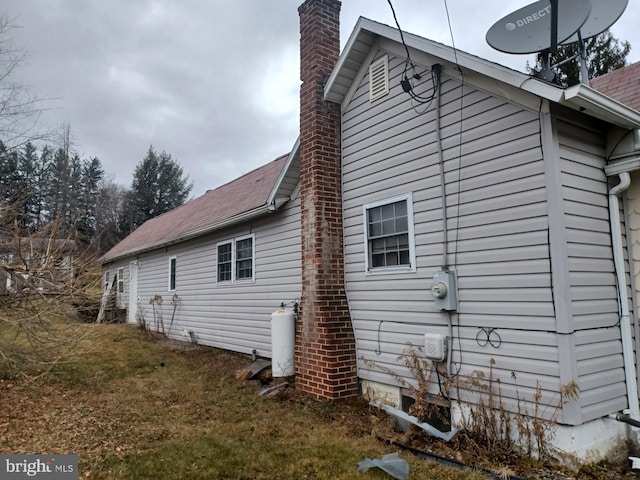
(135, 407)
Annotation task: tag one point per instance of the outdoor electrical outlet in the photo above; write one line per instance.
(435, 347)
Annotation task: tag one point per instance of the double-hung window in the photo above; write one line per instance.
(389, 235)
(244, 259)
(225, 261)
(236, 260)
(172, 273)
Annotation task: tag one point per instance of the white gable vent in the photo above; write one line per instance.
(379, 78)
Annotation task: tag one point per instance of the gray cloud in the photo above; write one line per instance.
(214, 83)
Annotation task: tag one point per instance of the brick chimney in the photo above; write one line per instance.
(325, 342)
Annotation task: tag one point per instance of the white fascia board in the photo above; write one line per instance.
(328, 89)
(273, 200)
(243, 217)
(579, 97)
(365, 29)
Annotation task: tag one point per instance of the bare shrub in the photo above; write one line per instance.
(496, 429)
(502, 433)
(47, 279)
(421, 371)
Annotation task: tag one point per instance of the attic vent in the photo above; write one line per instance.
(379, 78)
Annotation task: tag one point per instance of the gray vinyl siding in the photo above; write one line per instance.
(591, 270)
(234, 317)
(498, 232)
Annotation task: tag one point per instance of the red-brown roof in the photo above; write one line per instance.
(239, 196)
(622, 85)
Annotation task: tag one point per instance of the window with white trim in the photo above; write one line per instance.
(389, 235)
(172, 273)
(236, 260)
(121, 280)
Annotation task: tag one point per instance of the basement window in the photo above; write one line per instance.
(379, 78)
(389, 235)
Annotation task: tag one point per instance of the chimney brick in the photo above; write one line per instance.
(325, 342)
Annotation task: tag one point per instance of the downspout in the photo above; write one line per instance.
(625, 324)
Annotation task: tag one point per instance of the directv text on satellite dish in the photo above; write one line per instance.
(529, 19)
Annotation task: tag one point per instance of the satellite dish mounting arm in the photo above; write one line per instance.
(584, 71)
(554, 27)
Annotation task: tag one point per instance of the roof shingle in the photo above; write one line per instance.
(239, 196)
(622, 85)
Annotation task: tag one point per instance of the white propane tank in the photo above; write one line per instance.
(283, 342)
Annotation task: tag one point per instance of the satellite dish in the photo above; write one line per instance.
(528, 30)
(603, 15)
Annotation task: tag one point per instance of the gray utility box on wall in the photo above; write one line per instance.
(445, 291)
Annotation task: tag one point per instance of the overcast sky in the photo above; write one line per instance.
(212, 82)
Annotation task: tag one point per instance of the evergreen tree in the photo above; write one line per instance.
(9, 175)
(605, 53)
(8, 196)
(41, 183)
(91, 176)
(58, 186)
(158, 186)
(27, 187)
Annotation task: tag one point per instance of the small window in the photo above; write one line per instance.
(390, 244)
(121, 280)
(379, 78)
(244, 259)
(224, 262)
(172, 274)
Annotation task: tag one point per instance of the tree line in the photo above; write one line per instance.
(43, 185)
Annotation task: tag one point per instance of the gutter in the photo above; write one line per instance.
(625, 324)
(249, 215)
(598, 105)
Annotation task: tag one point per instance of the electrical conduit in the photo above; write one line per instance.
(437, 69)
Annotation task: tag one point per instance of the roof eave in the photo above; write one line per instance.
(242, 217)
(367, 30)
(579, 97)
(278, 192)
(596, 104)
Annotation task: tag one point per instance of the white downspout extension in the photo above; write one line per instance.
(625, 324)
